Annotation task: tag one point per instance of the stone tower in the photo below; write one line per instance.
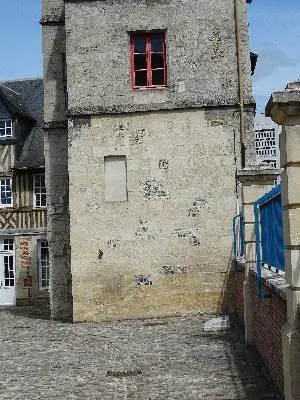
(148, 115)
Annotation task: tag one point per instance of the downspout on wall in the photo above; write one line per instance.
(240, 79)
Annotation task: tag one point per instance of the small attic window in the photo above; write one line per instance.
(5, 128)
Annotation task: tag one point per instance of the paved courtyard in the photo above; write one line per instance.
(166, 359)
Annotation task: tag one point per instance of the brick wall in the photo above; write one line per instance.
(236, 283)
(269, 316)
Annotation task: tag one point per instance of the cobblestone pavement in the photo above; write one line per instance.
(165, 359)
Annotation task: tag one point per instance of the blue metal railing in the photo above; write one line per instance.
(269, 233)
(238, 236)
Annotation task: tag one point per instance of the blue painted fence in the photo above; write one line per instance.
(269, 232)
(238, 236)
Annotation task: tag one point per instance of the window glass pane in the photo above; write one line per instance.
(141, 78)
(158, 77)
(43, 200)
(157, 44)
(40, 190)
(139, 45)
(157, 61)
(5, 127)
(140, 61)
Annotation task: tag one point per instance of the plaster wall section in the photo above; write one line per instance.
(26, 262)
(201, 54)
(167, 249)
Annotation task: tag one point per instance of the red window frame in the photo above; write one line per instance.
(149, 52)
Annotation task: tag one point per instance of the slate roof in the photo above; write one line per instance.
(26, 98)
(13, 101)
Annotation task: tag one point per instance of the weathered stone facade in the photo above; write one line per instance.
(167, 248)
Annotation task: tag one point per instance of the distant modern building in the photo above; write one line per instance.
(24, 261)
(266, 141)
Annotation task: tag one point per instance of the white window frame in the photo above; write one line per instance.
(2, 179)
(8, 125)
(40, 193)
(7, 248)
(43, 263)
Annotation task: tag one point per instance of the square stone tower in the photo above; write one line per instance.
(148, 115)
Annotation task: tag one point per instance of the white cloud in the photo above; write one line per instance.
(270, 59)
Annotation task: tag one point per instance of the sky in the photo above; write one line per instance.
(274, 35)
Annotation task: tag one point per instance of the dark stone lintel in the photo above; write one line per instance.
(55, 125)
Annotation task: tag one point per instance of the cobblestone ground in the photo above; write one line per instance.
(166, 359)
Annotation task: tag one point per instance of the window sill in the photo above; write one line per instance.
(149, 87)
(43, 290)
(4, 140)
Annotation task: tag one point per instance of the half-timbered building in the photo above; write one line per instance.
(24, 270)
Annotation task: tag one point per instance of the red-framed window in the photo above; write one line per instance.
(148, 60)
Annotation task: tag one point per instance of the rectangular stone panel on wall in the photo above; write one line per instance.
(115, 172)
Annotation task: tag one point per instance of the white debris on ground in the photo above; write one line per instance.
(217, 324)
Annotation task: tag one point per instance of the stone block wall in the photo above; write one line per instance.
(56, 158)
(168, 248)
(201, 54)
(58, 230)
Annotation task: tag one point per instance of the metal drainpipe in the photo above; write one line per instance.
(240, 79)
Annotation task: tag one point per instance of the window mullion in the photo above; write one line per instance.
(148, 50)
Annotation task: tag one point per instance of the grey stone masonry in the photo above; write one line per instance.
(164, 359)
(179, 143)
